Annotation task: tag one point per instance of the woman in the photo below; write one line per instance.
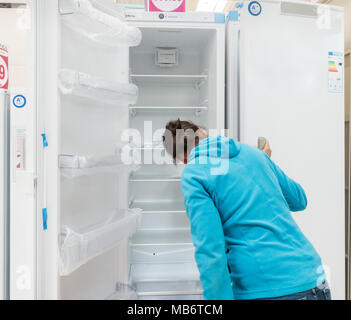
(247, 245)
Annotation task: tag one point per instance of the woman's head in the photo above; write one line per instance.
(181, 137)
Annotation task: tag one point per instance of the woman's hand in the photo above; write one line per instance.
(267, 149)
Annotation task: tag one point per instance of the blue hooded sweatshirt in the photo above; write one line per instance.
(247, 245)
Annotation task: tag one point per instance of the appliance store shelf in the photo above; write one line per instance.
(99, 22)
(72, 82)
(77, 248)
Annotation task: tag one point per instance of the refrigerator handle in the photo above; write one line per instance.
(6, 200)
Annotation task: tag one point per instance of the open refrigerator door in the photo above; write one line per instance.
(289, 60)
(84, 222)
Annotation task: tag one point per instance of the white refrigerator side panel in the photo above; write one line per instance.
(48, 44)
(285, 98)
(232, 80)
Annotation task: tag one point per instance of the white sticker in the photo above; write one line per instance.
(336, 72)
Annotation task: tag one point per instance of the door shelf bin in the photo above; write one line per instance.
(77, 248)
(72, 82)
(74, 166)
(99, 22)
(162, 254)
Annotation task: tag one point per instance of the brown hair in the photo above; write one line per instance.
(178, 134)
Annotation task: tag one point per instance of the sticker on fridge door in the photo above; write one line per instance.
(4, 68)
(166, 6)
(255, 8)
(19, 101)
(336, 72)
(20, 149)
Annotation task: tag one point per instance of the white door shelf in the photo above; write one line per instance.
(170, 79)
(77, 248)
(74, 166)
(72, 82)
(99, 21)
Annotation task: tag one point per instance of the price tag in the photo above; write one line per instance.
(167, 6)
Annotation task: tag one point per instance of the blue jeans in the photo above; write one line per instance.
(322, 292)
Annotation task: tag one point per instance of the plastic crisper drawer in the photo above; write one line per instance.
(164, 272)
(162, 254)
(180, 290)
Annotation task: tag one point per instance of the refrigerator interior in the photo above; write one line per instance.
(162, 264)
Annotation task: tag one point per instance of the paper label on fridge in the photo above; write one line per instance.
(4, 68)
(336, 72)
(167, 6)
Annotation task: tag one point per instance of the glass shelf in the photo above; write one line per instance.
(169, 79)
(177, 253)
(159, 207)
(143, 177)
(134, 110)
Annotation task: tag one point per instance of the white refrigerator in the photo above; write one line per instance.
(4, 193)
(285, 81)
(107, 227)
(4, 172)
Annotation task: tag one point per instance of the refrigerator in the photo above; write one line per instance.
(285, 82)
(4, 172)
(109, 218)
(4, 192)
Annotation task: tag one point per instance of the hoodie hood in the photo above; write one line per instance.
(216, 147)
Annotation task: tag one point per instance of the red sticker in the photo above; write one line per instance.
(4, 68)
